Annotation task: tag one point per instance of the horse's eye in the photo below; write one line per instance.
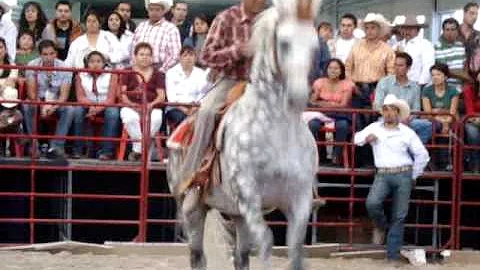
(284, 46)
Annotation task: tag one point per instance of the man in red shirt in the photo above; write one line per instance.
(226, 53)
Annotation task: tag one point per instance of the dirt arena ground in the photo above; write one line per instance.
(216, 256)
(65, 260)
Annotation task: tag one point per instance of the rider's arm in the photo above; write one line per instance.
(216, 54)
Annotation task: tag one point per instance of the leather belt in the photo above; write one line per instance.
(392, 170)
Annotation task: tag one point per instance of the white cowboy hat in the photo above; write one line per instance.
(418, 21)
(167, 4)
(379, 20)
(6, 7)
(11, 94)
(402, 105)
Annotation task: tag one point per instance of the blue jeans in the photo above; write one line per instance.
(342, 128)
(315, 125)
(423, 128)
(110, 129)
(473, 139)
(400, 186)
(175, 116)
(65, 118)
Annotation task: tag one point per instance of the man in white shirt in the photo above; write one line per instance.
(400, 157)
(420, 49)
(184, 83)
(345, 41)
(8, 30)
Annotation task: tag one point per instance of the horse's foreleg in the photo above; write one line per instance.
(299, 212)
(194, 222)
(250, 206)
(241, 259)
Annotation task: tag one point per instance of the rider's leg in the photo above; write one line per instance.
(204, 127)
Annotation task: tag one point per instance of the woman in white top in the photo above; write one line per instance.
(184, 83)
(94, 39)
(116, 25)
(96, 88)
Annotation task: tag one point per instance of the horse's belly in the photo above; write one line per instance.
(223, 202)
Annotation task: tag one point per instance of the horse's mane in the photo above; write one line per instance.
(262, 45)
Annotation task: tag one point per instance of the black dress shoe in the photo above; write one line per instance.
(55, 153)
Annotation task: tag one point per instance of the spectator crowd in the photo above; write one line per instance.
(160, 51)
(354, 67)
(371, 58)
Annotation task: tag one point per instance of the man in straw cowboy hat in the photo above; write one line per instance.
(8, 30)
(420, 49)
(161, 34)
(370, 60)
(400, 157)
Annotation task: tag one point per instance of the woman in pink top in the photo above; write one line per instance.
(335, 91)
(471, 95)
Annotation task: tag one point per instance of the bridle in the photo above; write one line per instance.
(276, 62)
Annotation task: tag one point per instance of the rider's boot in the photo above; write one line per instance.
(191, 200)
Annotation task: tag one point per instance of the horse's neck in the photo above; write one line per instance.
(264, 81)
(269, 84)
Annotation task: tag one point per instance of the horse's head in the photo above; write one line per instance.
(284, 41)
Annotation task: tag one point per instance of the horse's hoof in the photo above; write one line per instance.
(318, 202)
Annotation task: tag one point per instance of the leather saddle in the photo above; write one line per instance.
(208, 175)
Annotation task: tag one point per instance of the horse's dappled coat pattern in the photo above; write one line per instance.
(268, 157)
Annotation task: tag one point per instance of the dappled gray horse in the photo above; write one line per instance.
(268, 157)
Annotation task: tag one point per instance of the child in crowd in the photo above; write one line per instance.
(26, 51)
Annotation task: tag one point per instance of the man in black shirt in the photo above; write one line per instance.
(63, 30)
(179, 18)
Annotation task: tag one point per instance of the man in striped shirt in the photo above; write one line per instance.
(450, 51)
(161, 34)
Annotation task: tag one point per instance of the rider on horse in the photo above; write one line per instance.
(226, 53)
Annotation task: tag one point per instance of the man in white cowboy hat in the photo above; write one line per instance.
(420, 49)
(161, 34)
(400, 158)
(8, 30)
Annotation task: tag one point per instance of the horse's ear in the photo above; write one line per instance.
(307, 9)
(286, 8)
(303, 9)
(316, 7)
